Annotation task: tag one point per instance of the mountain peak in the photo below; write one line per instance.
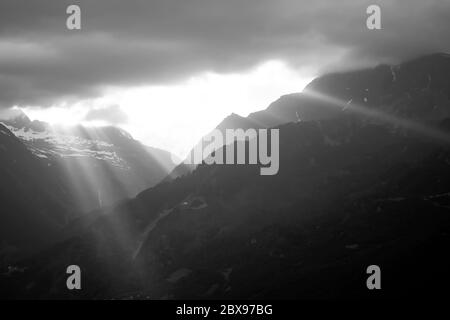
(235, 121)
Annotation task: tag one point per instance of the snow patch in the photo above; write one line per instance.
(51, 143)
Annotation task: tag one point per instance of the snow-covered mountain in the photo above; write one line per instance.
(101, 165)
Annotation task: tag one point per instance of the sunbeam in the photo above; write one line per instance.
(378, 114)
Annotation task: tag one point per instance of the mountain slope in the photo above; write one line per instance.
(417, 89)
(35, 203)
(233, 121)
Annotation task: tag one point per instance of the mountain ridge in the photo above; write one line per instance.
(384, 87)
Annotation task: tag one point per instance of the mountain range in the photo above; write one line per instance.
(416, 90)
(364, 180)
(52, 175)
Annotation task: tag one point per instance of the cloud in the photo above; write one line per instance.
(137, 42)
(112, 114)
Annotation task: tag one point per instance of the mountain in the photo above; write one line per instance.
(353, 190)
(34, 202)
(100, 165)
(52, 176)
(416, 90)
(233, 121)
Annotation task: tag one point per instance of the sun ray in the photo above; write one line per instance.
(423, 129)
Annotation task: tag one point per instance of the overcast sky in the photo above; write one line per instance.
(133, 57)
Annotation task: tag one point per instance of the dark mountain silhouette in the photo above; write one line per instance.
(233, 121)
(35, 202)
(353, 190)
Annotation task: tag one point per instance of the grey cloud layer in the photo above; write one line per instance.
(136, 42)
(112, 114)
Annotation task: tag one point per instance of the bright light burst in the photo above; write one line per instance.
(174, 117)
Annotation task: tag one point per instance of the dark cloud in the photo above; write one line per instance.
(135, 42)
(112, 114)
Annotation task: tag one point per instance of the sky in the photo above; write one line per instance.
(169, 71)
